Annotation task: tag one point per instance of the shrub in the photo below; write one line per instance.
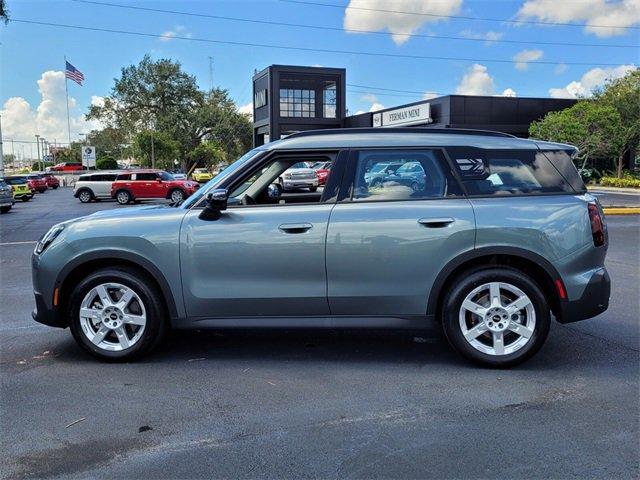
(106, 163)
(626, 182)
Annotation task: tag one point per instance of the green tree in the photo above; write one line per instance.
(110, 142)
(206, 154)
(106, 163)
(592, 127)
(9, 158)
(165, 149)
(69, 154)
(623, 94)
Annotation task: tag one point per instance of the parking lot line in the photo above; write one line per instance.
(17, 243)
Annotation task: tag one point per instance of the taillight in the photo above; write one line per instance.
(597, 225)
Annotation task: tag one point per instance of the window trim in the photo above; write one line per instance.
(346, 194)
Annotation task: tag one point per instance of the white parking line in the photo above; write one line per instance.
(7, 244)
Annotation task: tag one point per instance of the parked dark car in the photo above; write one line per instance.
(501, 236)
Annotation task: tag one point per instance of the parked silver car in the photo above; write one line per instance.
(6, 196)
(94, 186)
(500, 234)
(298, 176)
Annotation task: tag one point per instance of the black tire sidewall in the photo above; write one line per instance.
(465, 284)
(140, 283)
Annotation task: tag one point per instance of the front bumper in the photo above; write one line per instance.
(47, 316)
(293, 184)
(594, 300)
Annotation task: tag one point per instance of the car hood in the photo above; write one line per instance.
(309, 171)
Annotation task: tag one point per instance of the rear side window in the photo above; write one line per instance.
(108, 177)
(124, 176)
(507, 172)
(146, 176)
(564, 164)
(382, 175)
(84, 178)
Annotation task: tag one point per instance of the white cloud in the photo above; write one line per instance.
(360, 112)
(523, 58)
(509, 92)
(376, 106)
(590, 80)
(369, 97)
(179, 30)
(429, 95)
(488, 37)
(476, 81)
(399, 24)
(21, 122)
(615, 15)
(560, 68)
(247, 109)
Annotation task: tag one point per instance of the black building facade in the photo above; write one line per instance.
(289, 99)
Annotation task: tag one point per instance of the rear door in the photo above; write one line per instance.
(146, 185)
(387, 242)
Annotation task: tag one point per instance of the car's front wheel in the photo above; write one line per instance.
(116, 314)
(85, 196)
(177, 195)
(496, 317)
(123, 197)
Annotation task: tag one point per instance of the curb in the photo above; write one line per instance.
(621, 210)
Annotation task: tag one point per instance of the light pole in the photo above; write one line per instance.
(44, 146)
(38, 145)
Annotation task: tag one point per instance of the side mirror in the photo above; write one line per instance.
(216, 204)
(159, 180)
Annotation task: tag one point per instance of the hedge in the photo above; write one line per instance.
(620, 182)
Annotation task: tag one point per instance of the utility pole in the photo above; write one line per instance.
(1, 154)
(38, 145)
(153, 153)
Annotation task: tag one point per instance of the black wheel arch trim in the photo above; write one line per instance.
(126, 256)
(449, 268)
(84, 189)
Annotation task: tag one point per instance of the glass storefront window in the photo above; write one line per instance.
(297, 103)
(329, 100)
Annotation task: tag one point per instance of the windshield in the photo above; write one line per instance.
(215, 181)
(166, 176)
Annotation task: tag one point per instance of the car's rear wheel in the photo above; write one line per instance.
(85, 196)
(177, 195)
(5, 209)
(123, 197)
(25, 198)
(496, 317)
(116, 314)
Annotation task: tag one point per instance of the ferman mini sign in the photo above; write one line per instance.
(412, 115)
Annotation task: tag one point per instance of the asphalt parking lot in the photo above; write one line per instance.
(302, 404)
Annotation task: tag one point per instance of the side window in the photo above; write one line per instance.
(402, 175)
(507, 172)
(124, 177)
(108, 178)
(84, 178)
(148, 177)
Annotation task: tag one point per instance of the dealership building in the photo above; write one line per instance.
(289, 99)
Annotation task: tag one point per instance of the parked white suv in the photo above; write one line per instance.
(299, 176)
(94, 186)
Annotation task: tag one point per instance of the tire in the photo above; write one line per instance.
(177, 195)
(123, 197)
(25, 199)
(85, 195)
(142, 337)
(493, 341)
(313, 189)
(55, 187)
(5, 209)
(415, 187)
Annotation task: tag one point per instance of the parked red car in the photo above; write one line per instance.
(51, 180)
(37, 183)
(143, 184)
(67, 167)
(322, 171)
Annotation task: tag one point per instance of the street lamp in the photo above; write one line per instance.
(38, 145)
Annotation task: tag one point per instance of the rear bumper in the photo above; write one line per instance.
(594, 300)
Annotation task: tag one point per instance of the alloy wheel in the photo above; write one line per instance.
(177, 196)
(85, 197)
(112, 316)
(497, 318)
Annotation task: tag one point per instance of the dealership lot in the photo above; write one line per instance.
(314, 404)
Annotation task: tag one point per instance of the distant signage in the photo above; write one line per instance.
(259, 99)
(88, 156)
(412, 115)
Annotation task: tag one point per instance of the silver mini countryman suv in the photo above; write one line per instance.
(487, 234)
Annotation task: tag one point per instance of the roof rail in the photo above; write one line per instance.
(416, 130)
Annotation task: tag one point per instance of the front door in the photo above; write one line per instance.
(263, 257)
(388, 240)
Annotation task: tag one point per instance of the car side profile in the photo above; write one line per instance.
(501, 237)
(51, 180)
(20, 187)
(68, 167)
(37, 183)
(148, 184)
(6, 197)
(94, 186)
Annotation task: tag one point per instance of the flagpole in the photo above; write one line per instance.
(66, 89)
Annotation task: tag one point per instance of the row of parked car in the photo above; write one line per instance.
(24, 188)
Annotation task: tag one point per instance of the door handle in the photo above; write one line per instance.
(436, 222)
(295, 227)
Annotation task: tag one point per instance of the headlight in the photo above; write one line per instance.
(48, 238)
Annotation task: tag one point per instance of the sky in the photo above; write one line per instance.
(396, 51)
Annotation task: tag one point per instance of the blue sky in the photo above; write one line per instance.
(28, 51)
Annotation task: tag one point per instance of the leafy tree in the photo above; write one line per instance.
(9, 158)
(165, 149)
(594, 128)
(4, 13)
(69, 154)
(106, 163)
(206, 154)
(623, 94)
(110, 142)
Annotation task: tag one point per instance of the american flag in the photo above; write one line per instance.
(74, 74)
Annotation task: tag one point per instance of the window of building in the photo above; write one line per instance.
(297, 103)
(329, 100)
